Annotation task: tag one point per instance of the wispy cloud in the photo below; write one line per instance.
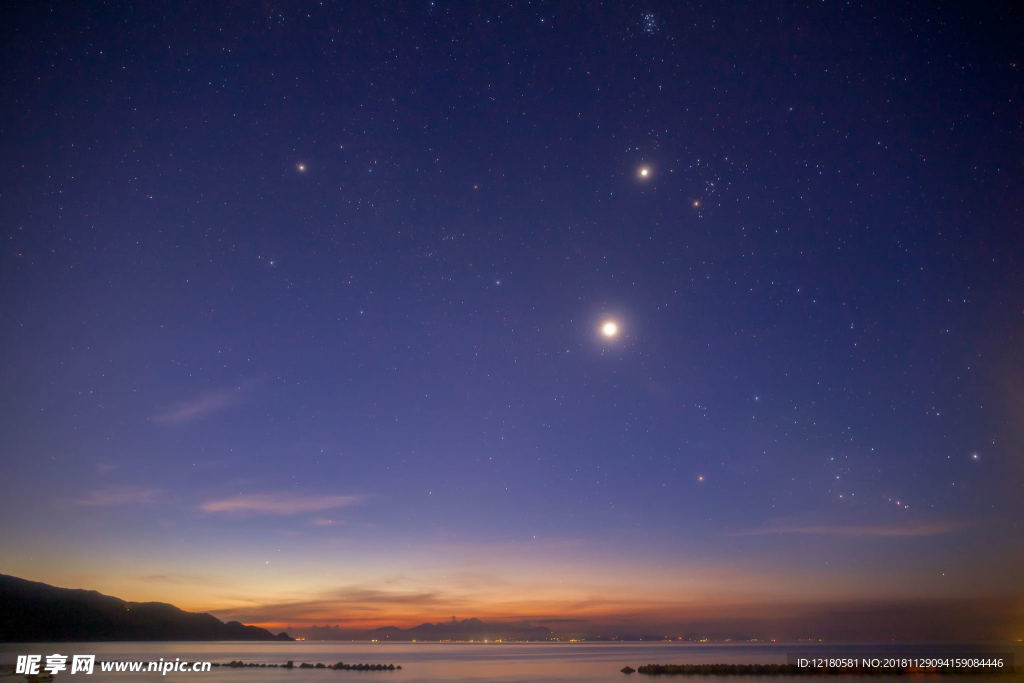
(880, 530)
(344, 604)
(124, 495)
(513, 547)
(203, 405)
(280, 503)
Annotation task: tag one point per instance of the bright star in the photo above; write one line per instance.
(610, 329)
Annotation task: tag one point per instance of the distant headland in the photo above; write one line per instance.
(461, 630)
(37, 612)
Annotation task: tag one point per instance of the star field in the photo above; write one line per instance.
(514, 290)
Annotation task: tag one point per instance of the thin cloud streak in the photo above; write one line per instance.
(283, 504)
(203, 405)
(879, 531)
(125, 495)
(341, 606)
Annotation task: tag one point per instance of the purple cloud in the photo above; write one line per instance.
(203, 405)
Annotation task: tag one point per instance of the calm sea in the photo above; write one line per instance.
(437, 662)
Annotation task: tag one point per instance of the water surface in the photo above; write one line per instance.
(465, 662)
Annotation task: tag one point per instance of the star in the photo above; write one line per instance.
(610, 329)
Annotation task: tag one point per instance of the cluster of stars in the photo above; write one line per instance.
(649, 23)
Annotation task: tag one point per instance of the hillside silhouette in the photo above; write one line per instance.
(466, 629)
(37, 612)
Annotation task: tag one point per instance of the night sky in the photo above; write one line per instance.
(304, 309)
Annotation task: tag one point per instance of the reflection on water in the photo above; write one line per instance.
(437, 662)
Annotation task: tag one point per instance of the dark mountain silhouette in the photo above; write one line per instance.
(36, 612)
(467, 629)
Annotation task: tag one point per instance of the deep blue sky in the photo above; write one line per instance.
(303, 299)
